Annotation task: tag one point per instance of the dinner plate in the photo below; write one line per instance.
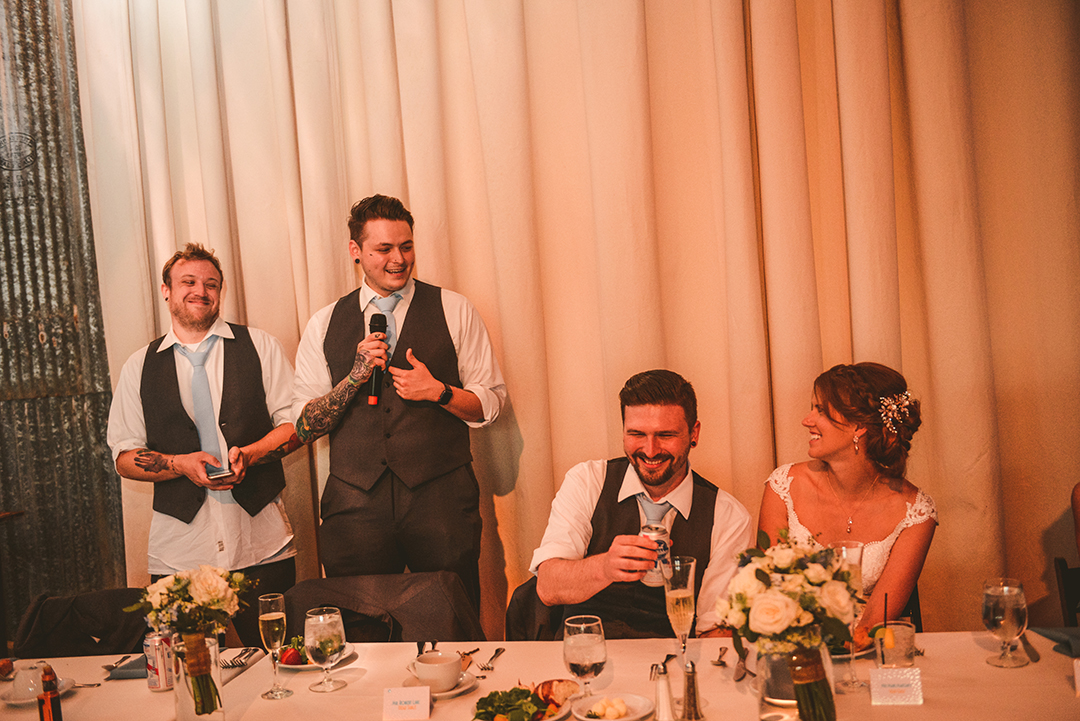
(298, 668)
(466, 683)
(63, 685)
(637, 707)
(845, 655)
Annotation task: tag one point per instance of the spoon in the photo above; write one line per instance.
(111, 666)
(720, 659)
(85, 685)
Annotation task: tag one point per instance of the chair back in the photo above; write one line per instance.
(528, 619)
(1068, 583)
(913, 609)
(88, 624)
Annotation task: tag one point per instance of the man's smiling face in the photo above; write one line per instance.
(386, 254)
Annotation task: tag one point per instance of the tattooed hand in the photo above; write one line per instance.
(322, 414)
(370, 352)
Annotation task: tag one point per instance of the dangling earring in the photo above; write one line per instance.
(856, 439)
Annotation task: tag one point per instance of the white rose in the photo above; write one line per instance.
(746, 582)
(722, 607)
(155, 591)
(836, 600)
(772, 612)
(208, 588)
(782, 556)
(736, 618)
(792, 583)
(816, 574)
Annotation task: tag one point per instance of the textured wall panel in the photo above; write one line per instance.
(54, 378)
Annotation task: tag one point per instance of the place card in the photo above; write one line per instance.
(895, 687)
(406, 704)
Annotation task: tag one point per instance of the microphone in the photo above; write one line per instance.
(376, 325)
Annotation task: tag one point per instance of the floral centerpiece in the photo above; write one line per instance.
(193, 604)
(788, 599)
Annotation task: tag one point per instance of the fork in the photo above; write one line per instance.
(489, 666)
(111, 666)
(240, 660)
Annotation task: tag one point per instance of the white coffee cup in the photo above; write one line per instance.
(27, 683)
(437, 670)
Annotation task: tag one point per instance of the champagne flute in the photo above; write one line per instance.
(679, 594)
(324, 639)
(850, 554)
(584, 650)
(272, 630)
(1005, 616)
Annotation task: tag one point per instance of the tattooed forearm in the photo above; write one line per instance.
(152, 461)
(320, 415)
(281, 451)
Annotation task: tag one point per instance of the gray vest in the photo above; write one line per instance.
(243, 419)
(634, 610)
(416, 440)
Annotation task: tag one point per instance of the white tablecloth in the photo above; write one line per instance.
(957, 684)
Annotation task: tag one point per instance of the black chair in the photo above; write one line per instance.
(89, 624)
(1068, 583)
(396, 607)
(528, 619)
(913, 610)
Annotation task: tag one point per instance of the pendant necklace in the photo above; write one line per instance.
(861, 500)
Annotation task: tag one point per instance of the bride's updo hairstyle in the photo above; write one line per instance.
(875, 397)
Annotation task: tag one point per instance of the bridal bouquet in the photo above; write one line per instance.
(789, 596)
(194, 604)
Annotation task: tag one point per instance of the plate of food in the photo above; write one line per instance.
(63, 685)
(545, 701)
(294, 656)
(626, 706)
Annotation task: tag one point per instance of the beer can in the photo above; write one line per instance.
(662, 567)
(159, 671)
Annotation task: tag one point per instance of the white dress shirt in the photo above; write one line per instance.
(477, 366)
(569, 528)
(222, 533)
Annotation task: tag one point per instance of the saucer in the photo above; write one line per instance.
(346, 655)
(63, 685)
(466, 683)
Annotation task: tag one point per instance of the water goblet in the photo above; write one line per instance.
(272, 630)
(850, 554)
(324, 639)
(679, 595)
(584, 650)
(1005, 616)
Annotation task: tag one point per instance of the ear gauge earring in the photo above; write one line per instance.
(693, 444)
(856, 439)
(356, 260)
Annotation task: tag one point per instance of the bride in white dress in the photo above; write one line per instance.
(861, 422)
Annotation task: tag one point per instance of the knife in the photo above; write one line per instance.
(1028, 648)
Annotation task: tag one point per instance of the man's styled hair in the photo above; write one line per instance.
(660, 388)
(377, 207)
(191, 251)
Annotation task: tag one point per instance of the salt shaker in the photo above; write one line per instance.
(691, 709)
(665, 710)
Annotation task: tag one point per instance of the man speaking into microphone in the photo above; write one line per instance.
(401, 492)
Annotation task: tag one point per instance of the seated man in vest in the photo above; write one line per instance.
(204, 414)
(401, 491)
(592, 558)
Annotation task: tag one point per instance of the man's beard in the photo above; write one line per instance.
(651, 478)
(197, 323)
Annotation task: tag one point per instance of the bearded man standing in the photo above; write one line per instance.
(203, 413)
(592, 558)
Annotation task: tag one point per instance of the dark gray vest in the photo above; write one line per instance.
(416, 440)
(243, 418)
(634, 609)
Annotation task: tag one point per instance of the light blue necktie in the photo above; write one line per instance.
(386, 307)
(654, 512)
(201, 403)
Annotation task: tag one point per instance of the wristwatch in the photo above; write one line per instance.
(447, 394)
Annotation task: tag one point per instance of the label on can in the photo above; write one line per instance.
(159, 672)
(662, 567)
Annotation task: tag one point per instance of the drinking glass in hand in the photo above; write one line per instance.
(584, 650)
(272, 629)
(324, 639)
(1005, 616)
(679, 594)
(850, 554)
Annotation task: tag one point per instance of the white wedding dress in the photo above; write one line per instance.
(875, 553)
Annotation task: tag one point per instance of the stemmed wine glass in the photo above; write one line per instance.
(1005, 616)
(324, 639)
(679, 594)
(850, 554)
(584, 650)
(272, 630)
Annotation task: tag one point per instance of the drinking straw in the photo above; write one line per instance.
(886, 610)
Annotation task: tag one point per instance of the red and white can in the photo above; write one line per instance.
(662, 567)
(158, 649)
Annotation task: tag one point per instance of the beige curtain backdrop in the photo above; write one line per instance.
(744, 192)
